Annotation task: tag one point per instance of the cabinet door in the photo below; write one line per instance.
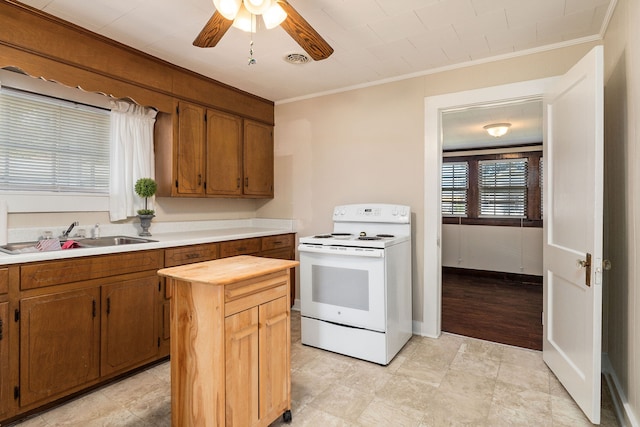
(5, 384)
(59, 344)
(129, 323)
(241, 376)
(258, 159)
(224, 154)
(274, 358)
(190, 150)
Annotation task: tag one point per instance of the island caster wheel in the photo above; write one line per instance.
(286, 417)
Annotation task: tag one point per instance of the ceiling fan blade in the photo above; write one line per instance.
(213, 31)
(304, 34)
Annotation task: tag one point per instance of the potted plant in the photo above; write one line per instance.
(145, 188)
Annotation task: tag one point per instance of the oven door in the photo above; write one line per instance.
(343, 285)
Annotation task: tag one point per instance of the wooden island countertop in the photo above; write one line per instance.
(221, 272)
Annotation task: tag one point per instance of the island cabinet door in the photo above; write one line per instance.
(59, 344)
(129, 323)
(274, 359)
(241, 378)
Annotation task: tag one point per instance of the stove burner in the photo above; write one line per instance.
(385, 235)
(369, 238)
(323, 236)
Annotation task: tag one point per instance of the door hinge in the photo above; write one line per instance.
(16, 315)
(16, 392)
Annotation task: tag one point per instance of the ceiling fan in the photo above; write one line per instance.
(274, 13)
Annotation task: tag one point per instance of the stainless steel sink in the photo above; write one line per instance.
(23, 247)
(112, 241)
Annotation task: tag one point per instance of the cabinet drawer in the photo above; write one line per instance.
(4, 280)
(239, 247)
(190, 254)
(277, 242)
(250, 293)
(50, 273)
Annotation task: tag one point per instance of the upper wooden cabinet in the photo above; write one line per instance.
(213, 154)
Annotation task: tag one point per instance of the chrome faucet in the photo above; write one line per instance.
(66, 233)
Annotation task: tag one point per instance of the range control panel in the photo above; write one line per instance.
(376, 212)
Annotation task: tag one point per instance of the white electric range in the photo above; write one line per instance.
(355, 282)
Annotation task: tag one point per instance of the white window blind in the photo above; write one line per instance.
(48, 144)
(455, 182)
(503, 187)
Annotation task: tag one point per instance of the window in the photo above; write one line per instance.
(52, 145)
(502, 187)
(455, 182)
(493, 188)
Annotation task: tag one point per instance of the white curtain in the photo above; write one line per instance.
(131, 156)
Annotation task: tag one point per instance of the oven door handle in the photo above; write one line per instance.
(342, 251)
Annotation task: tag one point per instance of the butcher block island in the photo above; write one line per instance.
(230, 342)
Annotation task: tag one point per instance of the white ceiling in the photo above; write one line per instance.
(374, 40)
(463, 129)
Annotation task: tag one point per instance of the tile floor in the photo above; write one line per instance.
(450, 381)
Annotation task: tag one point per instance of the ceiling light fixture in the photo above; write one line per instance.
(497, 129)
(239, 11)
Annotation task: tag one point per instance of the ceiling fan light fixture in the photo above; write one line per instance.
(228, 8)
(257, 7)
(245, 21)
(274, 16)
(497, 129)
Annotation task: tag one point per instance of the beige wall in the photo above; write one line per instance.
(622, 201)
(367, 145)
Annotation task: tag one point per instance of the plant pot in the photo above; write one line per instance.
(145, 223)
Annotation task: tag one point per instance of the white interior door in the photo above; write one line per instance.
(572, 264)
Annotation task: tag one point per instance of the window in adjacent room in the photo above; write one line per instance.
(455, 182)
(502, 187)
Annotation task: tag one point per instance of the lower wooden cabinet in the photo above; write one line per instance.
(5, 383)
(129, 327)
(257, 363)
(59, 344)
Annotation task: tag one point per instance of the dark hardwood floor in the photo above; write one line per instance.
(493, 306)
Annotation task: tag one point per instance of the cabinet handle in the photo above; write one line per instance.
(108, 305)
(246, 182)
(238, 183)
(93, 310)
(199, 179)
(237, 336)
(192, 256)
(277, 319)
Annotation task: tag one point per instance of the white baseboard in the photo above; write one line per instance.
(620, 402)
(296, 304)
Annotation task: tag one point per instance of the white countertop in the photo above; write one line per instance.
(168, 235)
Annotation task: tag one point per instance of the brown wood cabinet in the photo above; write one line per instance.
(129, 323)
(236, 351)
(214, 154)
(5, 373)
(258, 159)
(59, 344)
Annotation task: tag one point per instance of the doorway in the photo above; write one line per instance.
(492, 222)
(434, 106)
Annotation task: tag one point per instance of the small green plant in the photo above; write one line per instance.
(145, 188)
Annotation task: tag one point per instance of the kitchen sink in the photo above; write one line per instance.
(112, 241)
(26, 247)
